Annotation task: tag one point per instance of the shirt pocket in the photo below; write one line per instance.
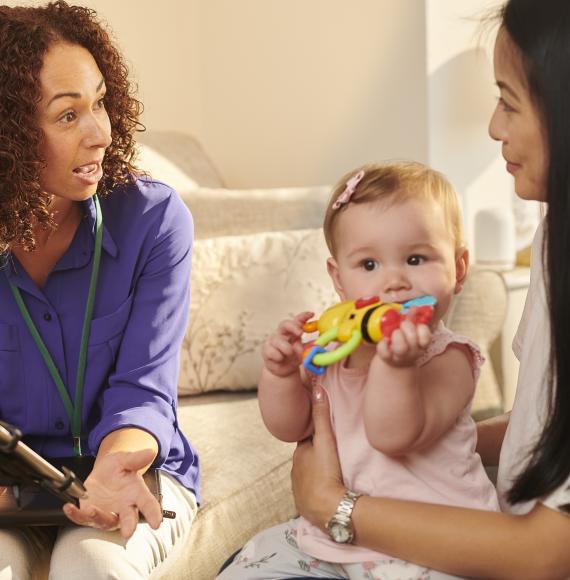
(105, 339)
(109, 328)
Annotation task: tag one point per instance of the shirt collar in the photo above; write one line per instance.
(108, 243)
(84, 242)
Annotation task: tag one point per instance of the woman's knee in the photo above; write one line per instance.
(92, 554)
(24, 553)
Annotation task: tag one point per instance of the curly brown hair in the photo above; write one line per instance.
(26, 34)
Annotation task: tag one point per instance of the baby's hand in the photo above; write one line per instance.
(283, 352)
(406, 344)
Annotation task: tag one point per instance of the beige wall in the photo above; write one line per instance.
(159, 42)
(281, 92)
(296, 92)
(300, 91)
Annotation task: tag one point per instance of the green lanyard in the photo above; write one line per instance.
(73, 411)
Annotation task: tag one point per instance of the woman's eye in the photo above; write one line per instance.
(504, 105)
(369, 265)
(415, 260)
(68, 117)
(101, 103)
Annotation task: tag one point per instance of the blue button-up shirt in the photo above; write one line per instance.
(139, 319)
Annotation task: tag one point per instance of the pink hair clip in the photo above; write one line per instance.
(349, 190)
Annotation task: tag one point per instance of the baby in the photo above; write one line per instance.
(400, 409)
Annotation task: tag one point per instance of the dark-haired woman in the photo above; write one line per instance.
(94, 290)
(530, 538)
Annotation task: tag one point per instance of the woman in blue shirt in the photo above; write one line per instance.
(99, 282)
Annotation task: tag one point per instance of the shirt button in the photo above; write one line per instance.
(59, 425)
(47, 316)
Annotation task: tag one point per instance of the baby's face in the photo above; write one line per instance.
(397, 251)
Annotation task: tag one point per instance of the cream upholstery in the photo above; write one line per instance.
(249, 246)
(233, 275)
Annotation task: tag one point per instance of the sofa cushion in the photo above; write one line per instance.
(185, 153)
(226, 212)
(242, 287)
(245, 480)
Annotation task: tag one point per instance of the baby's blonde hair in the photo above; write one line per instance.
(396, 182)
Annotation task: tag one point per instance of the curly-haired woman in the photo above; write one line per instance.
(94, 285)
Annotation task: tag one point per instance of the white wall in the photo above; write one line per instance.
(461, 99)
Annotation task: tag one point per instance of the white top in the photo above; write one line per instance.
(531, 346)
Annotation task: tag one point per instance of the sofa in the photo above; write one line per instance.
(259, 256)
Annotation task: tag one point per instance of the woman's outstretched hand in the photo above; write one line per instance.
(116, 493)
(316, 475)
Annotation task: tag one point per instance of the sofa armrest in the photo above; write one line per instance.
(478, 312)
(182, 151)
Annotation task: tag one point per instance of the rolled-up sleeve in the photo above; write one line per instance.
(142, 387)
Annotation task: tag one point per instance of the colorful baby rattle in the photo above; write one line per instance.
(352, 321)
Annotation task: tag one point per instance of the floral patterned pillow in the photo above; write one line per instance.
(242, 287)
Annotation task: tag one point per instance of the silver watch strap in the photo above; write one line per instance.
(346, 505)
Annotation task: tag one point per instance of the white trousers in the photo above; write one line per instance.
(85, 553)
(274, 555)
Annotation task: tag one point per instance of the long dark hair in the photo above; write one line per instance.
(541, 33)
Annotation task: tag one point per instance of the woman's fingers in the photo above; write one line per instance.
(129, 519)
(316, 476)
(321, 417)
(149, 508)
(91, 516)
(117, 486)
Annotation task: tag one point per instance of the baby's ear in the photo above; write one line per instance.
(332, 269)
(461, 267)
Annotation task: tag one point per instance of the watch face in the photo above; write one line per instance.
(340, 533)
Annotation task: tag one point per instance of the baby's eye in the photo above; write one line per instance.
(369, 265)
(415, 260)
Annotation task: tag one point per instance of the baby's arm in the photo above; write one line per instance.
(284, 398)
(408, 407)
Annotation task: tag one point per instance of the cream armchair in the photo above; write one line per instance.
(258, 256)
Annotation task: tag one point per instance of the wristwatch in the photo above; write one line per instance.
(340, 525)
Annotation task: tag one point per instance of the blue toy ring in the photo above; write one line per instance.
(308, 363)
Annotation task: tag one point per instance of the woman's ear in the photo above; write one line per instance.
(461, 267)
(332, 269)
